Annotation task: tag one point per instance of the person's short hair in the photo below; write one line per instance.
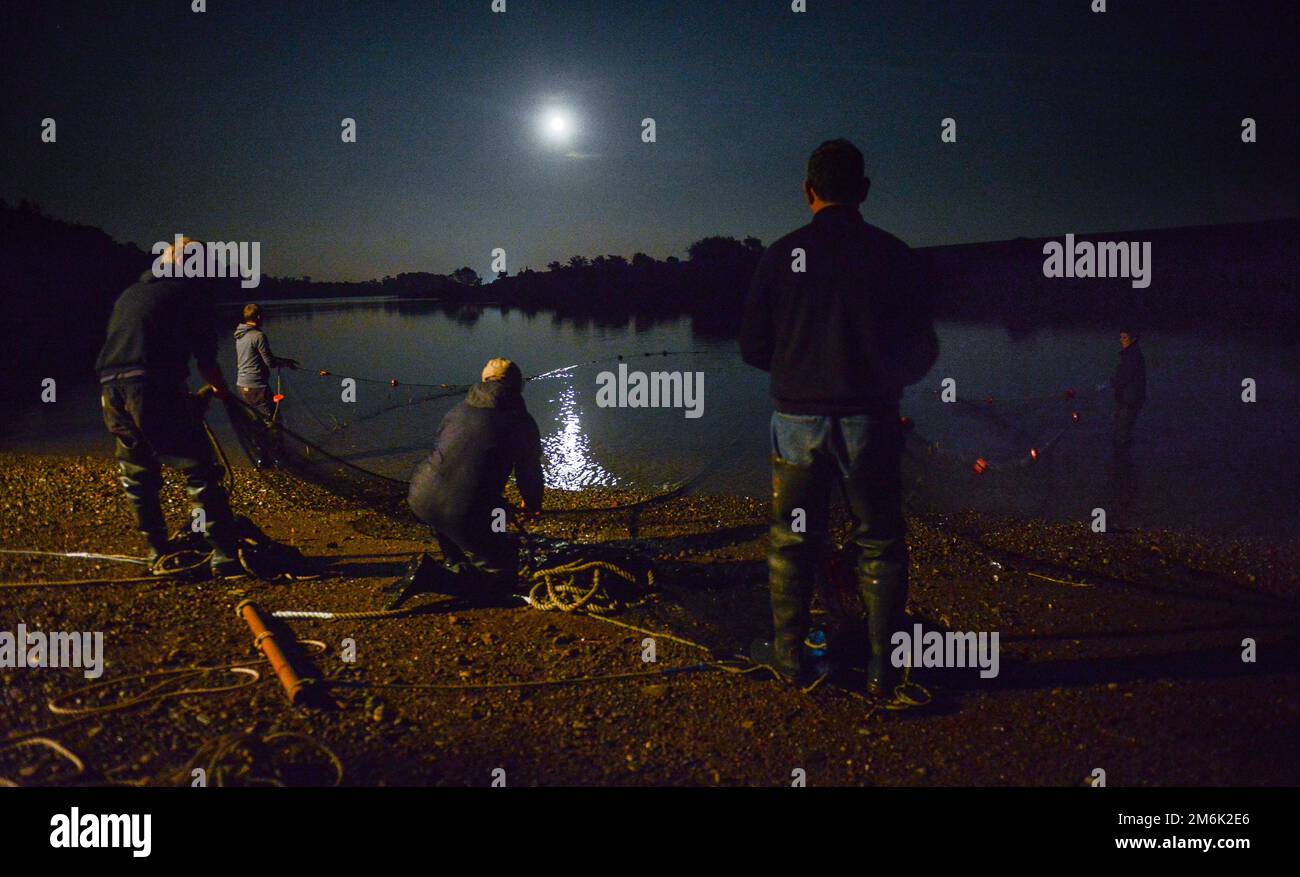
(503, 370)
(171, 255)
(252, 313)
(836, 171)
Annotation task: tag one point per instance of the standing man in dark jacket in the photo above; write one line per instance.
(157, 325)
(1130, 385)
(254, 362)
(838, 313)
(457, 490)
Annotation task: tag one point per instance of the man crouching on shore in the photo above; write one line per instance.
(457, 489)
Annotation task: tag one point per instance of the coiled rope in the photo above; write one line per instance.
(553, 589)
(556, 588)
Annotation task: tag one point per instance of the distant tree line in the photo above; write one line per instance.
(58, 281)
(710, 282)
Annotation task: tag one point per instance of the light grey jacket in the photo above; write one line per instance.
(253, 357)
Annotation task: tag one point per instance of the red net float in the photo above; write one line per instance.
(324, 374)
(393, 382)
(980, 466)
(1075, 416)
(1033, 453)
(905, 422)
(988, 400)
(278, 398)
(1069, 394)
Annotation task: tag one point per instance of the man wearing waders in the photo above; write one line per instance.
(254, 361)
(1130, 386)
(457, 489)
(838, 313)
(158, 324)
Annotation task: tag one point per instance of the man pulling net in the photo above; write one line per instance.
(457, 490)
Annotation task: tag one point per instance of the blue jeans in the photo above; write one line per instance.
(845, 442)
(865, 451)
(810, 454)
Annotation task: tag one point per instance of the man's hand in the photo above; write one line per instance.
(213, 375)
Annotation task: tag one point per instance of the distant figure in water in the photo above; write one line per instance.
(1130, 386)
(838, 313)
(457, 489)
(158, 325)
(254, 360)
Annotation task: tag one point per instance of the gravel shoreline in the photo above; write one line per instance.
(1119, 651)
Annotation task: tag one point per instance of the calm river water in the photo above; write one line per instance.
(1204, 459)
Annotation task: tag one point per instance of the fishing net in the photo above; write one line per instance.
(293, 465)
(356, 439)
(1006, 455)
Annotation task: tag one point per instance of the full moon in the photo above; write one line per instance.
(557, 125)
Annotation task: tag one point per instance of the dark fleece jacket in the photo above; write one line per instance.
(845, 335)
(158, 325)
(479, 443)
(1130, 381)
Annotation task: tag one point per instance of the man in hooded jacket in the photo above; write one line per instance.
(457, 489)
(254, 361)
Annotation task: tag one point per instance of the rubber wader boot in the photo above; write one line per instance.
(203, 484)
(225, 562)
(142, 486)
(159, 544)
(481, 587)
(226, 565)
(421, 577)
(798, 531)
(879, 537)
(883, 585)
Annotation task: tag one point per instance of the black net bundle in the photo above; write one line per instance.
(292, 465)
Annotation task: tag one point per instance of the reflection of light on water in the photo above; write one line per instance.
(568, 462)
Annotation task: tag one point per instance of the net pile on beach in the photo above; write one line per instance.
(285, 458)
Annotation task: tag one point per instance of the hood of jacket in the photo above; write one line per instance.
(494, 394)
(244, 328)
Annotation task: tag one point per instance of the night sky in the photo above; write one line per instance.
(226, 125)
